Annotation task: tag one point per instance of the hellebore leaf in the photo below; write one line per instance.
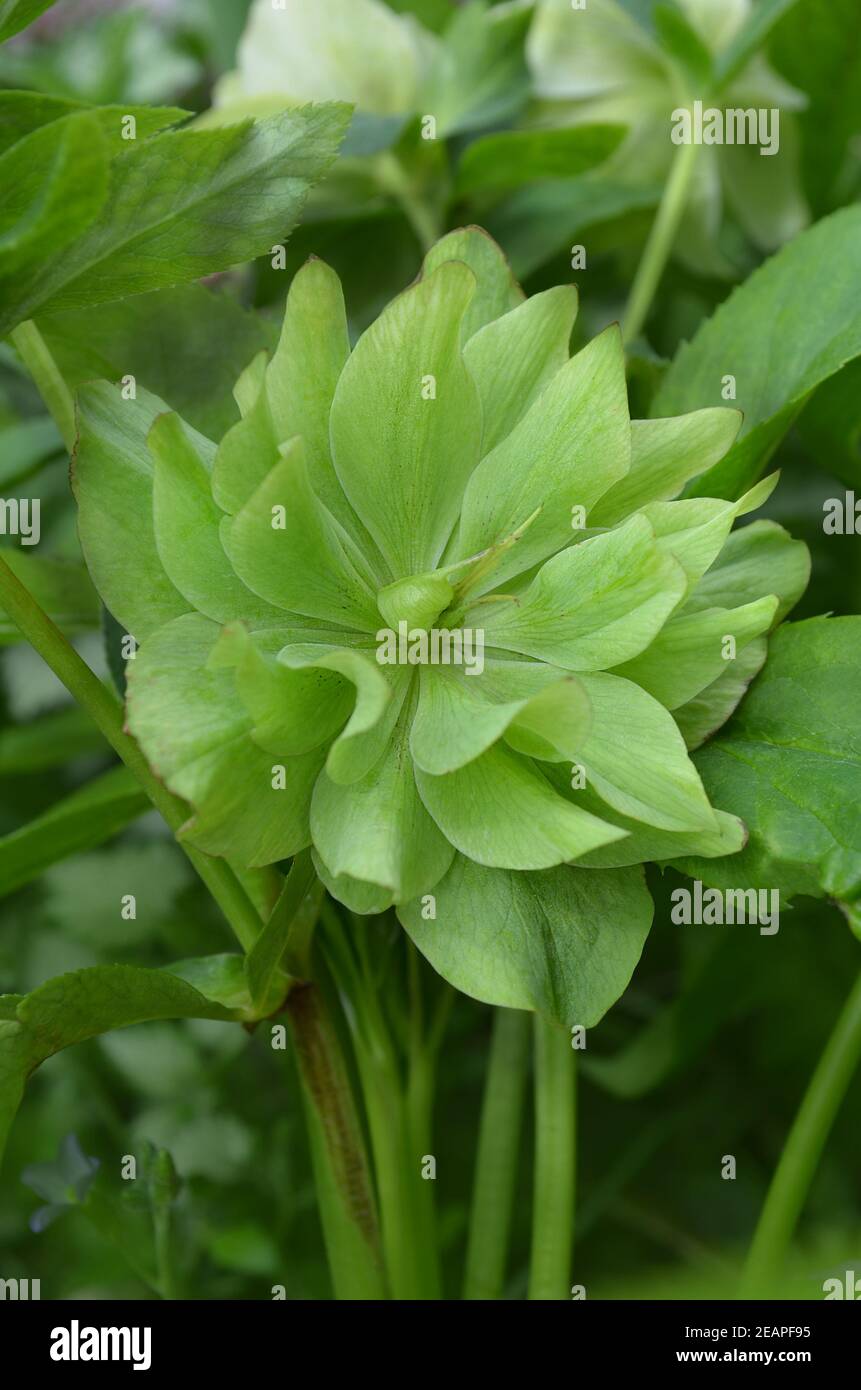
(496, 291)
(112, 478)
(692, 649)
(288, 549)
(55, 181)
(789, 763)
(460, 715)
(564, 943)
(513, 357)
(765, 336)
(377, 829)
(72, 1008)
(23, 112)
(186, 528)
(501, 811)
(15, 15)
(406, 421)
(636, 760)
(183, 204)
(566, 451)
(593, 605)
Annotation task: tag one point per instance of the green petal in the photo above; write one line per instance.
(301, 564)
(292, 711)
(701, 717)
(563, 943)
(461, 715)
(186, 527)
(688, 654)
(501, 811)
(365, 899)
(647, 845)
(112, 477)
(376, 706)
(636, 760)
(406, 421)
(496, 292)
(249, 448)
(249, 383)
(694, 530)
(377, 829)
(569, 448)
(760, 557)
(665, 454)
(195, 732)
(593, 605)
(513, 358)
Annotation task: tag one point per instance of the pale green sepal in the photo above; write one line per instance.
(636, 760)
(377, 829)
(112, 478)
(417, 600)
(406, 421)
(501, 811)
(666, 454)
(287, 547)
(460, 715)
(365, 899)
(249, 383)
(761, 557)
(594, 604)
(186, 529)
(567, 450)
(563, 943)
(513, 358)
(702, 716)
(247, 452)
(376, 706)
(694, 648)
(497, 290)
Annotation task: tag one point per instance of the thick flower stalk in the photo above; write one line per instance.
(430, 607)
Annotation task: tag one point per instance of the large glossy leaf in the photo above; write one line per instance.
(563, 943)
(793, 324)
(183, 204)
(789, 763)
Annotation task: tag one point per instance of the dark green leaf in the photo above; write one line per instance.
(184, 204)
(61, 587)
(515, 157)
(791, 326)
(789, 763)
(54, 183)
(49, 741)
(15, 15)
(23, 112)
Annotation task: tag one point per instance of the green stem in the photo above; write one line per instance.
(395, 180)
(37, 358)
(341, 1175)
(660, 241)
(803, 1149)
(553, 1198)
(106, 712)
(496, 1163)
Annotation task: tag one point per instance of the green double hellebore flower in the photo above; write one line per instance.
(456, 472)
